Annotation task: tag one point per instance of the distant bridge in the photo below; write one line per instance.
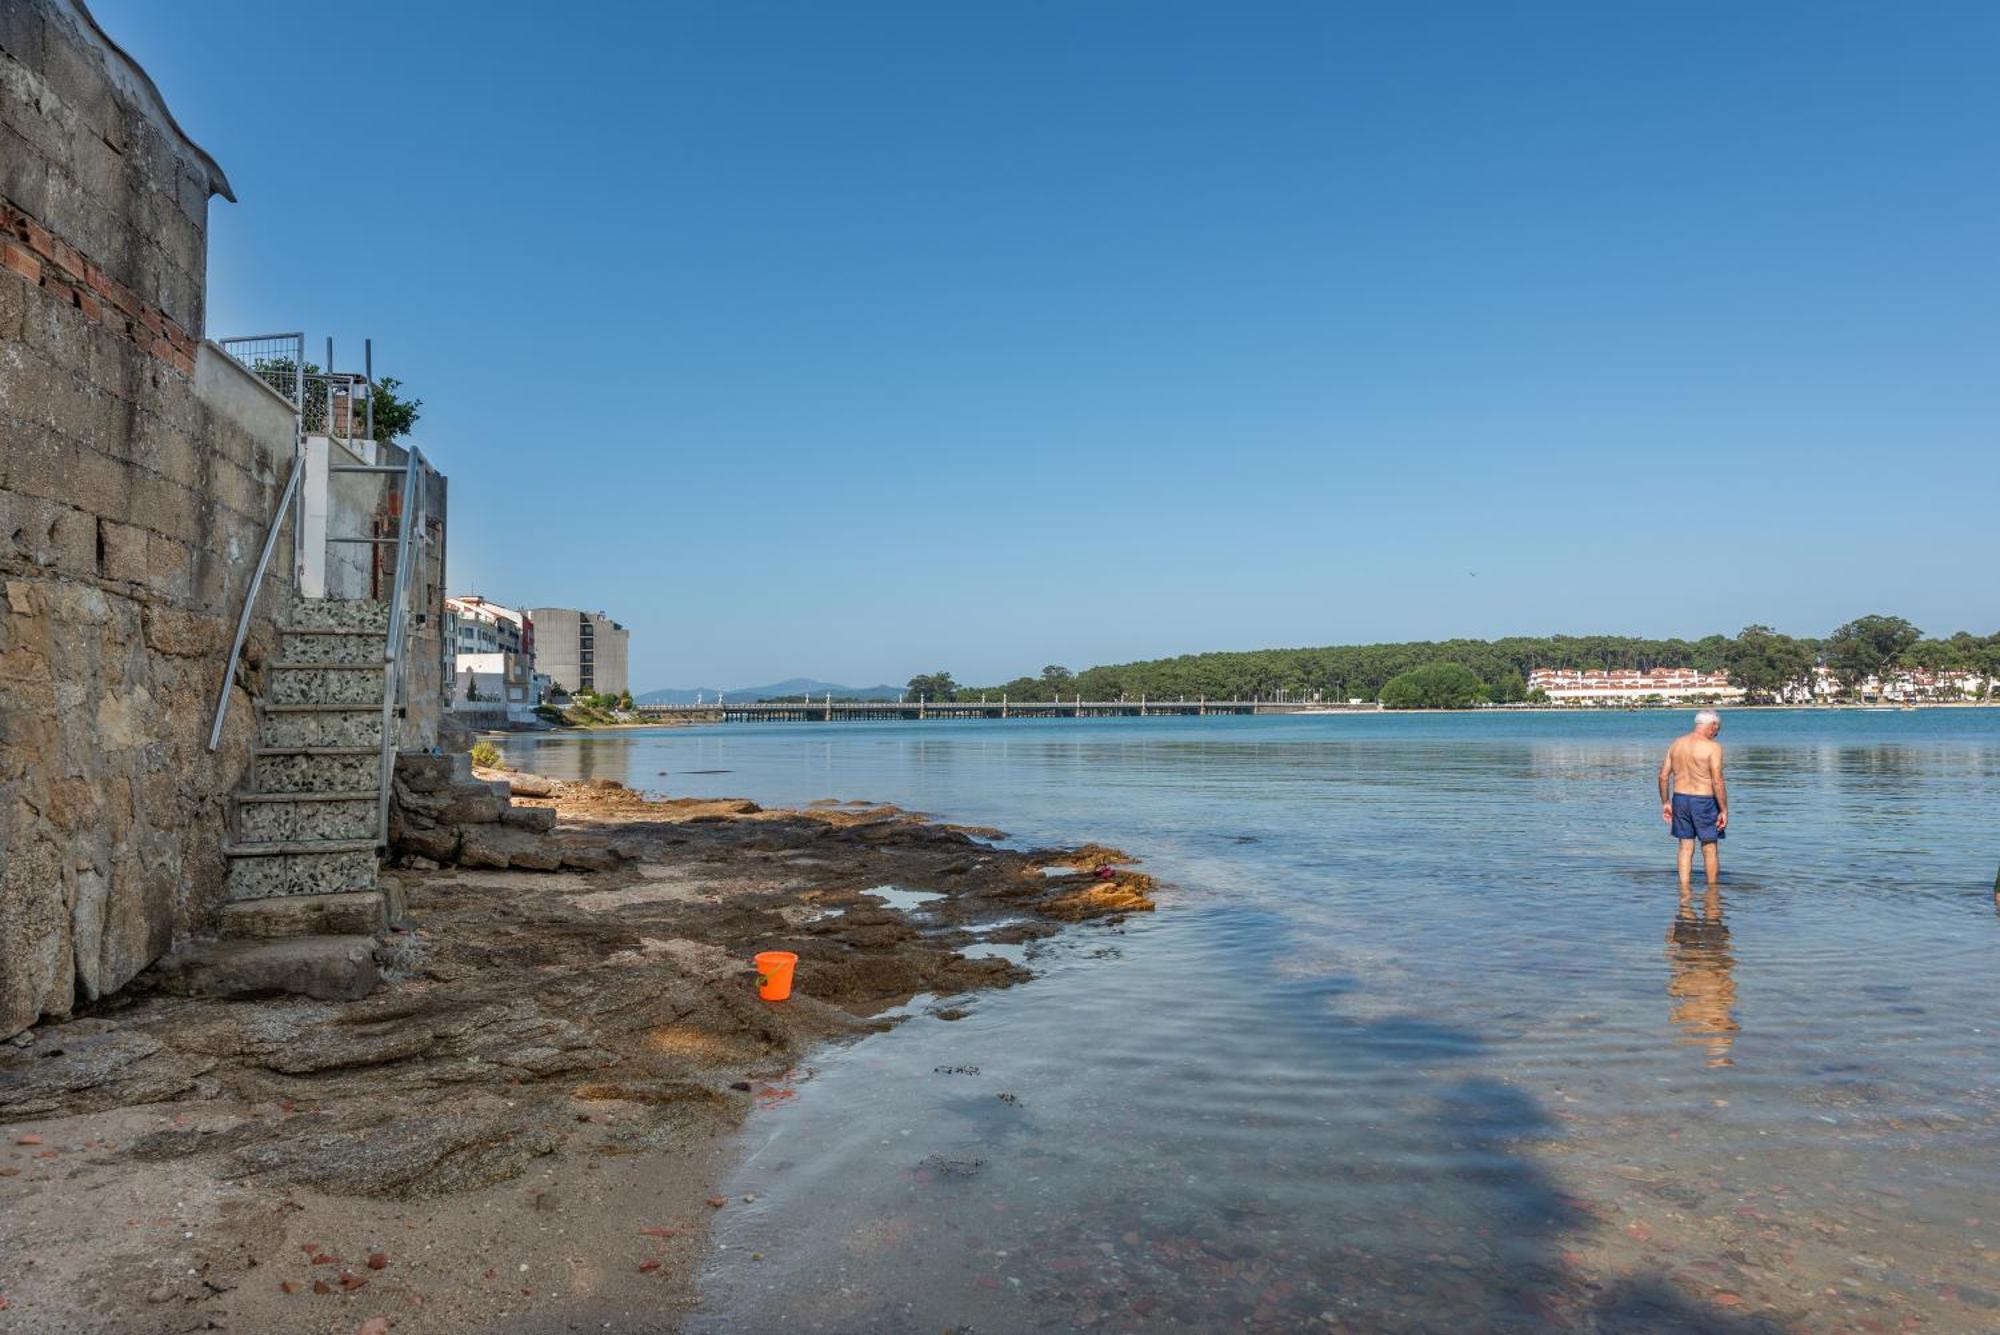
(843, 711)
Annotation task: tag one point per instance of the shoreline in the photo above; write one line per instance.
(524, 1127)
(1330, 712)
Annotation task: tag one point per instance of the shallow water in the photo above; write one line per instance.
(1419, 1039)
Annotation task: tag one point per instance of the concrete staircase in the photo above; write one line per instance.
(305, 903)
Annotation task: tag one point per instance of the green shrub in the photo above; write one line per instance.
(486, 755)
(1434, 686)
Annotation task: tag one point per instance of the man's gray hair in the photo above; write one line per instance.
(1707, 716)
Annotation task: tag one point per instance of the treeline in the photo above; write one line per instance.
(1765, 663)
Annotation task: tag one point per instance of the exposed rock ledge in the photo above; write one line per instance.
(526, 1116)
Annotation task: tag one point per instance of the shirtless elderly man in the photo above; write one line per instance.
(1693, 799)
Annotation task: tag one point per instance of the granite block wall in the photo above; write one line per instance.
(139, 470)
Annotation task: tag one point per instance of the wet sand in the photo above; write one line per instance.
(522, 1130)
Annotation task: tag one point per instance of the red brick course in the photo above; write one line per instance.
(68, 276)
(21, 260)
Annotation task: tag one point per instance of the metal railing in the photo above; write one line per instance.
(393, 656)
(250, 597)
(341, 405)
(328, 402)
(275, 359)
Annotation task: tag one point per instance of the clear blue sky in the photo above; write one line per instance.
(855, 340)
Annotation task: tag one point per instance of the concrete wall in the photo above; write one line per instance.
(139, 470)
(341, 505)
(612, 676)
(555, 643)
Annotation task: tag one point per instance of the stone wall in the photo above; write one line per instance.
(139, 470)
(89, 151)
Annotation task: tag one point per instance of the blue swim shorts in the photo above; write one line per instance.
(1694, 817)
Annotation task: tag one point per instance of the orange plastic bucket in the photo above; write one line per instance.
(774, 974)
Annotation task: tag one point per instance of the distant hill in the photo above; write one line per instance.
(792, 689)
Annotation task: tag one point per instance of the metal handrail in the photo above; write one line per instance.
(392, 655)
(250, 599)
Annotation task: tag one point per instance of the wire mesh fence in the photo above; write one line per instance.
(329, 402)
(276, 359)
(337, 405)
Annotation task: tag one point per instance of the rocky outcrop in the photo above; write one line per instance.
(444, 816)
(95, 1065)
(531, 785)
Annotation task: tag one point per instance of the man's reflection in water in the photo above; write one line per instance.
(1702, 982)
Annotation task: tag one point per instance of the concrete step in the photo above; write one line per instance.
(301, 867)
(278, 848)
(320, 725)
(327, 968)
(275, 817)
(340, 614)
(311, 644)
(317, 769)
(289, 682)
(361, 913)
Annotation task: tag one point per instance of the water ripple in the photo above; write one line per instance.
(1421, 1039)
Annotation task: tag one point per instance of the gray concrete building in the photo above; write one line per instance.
(581, 651)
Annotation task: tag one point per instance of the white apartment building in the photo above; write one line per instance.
(481, 626)
(1907, 684)
(1630, 685)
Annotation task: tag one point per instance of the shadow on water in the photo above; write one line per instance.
(1482, 1238)
(1648, 1305)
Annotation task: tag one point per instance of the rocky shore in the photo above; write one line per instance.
(522, 1127)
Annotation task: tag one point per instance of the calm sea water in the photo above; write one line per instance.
(1420, 1038)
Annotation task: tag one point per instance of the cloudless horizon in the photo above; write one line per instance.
(858, 341)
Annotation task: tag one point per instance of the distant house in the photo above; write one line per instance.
(481, 626)
(496, 683)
